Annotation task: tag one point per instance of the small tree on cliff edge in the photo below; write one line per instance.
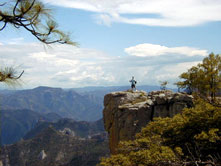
(34, 17)
(163, 85)
(204, 79)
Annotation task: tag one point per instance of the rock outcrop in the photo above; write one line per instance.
(126, 112)
(68, 131)
(42, 155)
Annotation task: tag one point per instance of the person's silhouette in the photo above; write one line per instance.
(133, 83)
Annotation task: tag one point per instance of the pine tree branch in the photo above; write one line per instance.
(28, 19)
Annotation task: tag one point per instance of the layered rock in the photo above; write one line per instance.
(126, 112)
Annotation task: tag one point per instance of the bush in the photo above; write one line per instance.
(190, 137)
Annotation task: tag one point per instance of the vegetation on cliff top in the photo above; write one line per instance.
(193, 136)
(190, 138)
(205, 78)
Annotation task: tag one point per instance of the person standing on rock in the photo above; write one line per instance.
(133, 83)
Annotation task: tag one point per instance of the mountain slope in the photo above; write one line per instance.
(80, 129)
(16, 123)
(53, 148)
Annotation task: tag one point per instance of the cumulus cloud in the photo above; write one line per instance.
(168, 12)
(67, 66)
(64, 66)
(146, 49)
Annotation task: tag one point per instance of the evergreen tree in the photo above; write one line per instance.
(163, 85)
(204, 79)
(211, 68)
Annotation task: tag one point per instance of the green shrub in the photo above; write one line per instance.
(193, 135)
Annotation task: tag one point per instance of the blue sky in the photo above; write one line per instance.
(154, 40)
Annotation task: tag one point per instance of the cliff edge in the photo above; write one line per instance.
(126, 112)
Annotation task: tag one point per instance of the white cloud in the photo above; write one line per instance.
(64, 66)
(149, 50)
(12, 41)
(168, 12)
(171, 72)
(67, 66)
(19, 40)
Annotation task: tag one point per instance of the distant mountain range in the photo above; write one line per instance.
(77, 103)
(45, 100)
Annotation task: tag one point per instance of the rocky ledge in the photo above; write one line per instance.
(126, 112)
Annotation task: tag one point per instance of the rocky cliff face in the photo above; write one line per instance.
(126, 112)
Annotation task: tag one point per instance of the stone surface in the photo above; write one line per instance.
(126, 112)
